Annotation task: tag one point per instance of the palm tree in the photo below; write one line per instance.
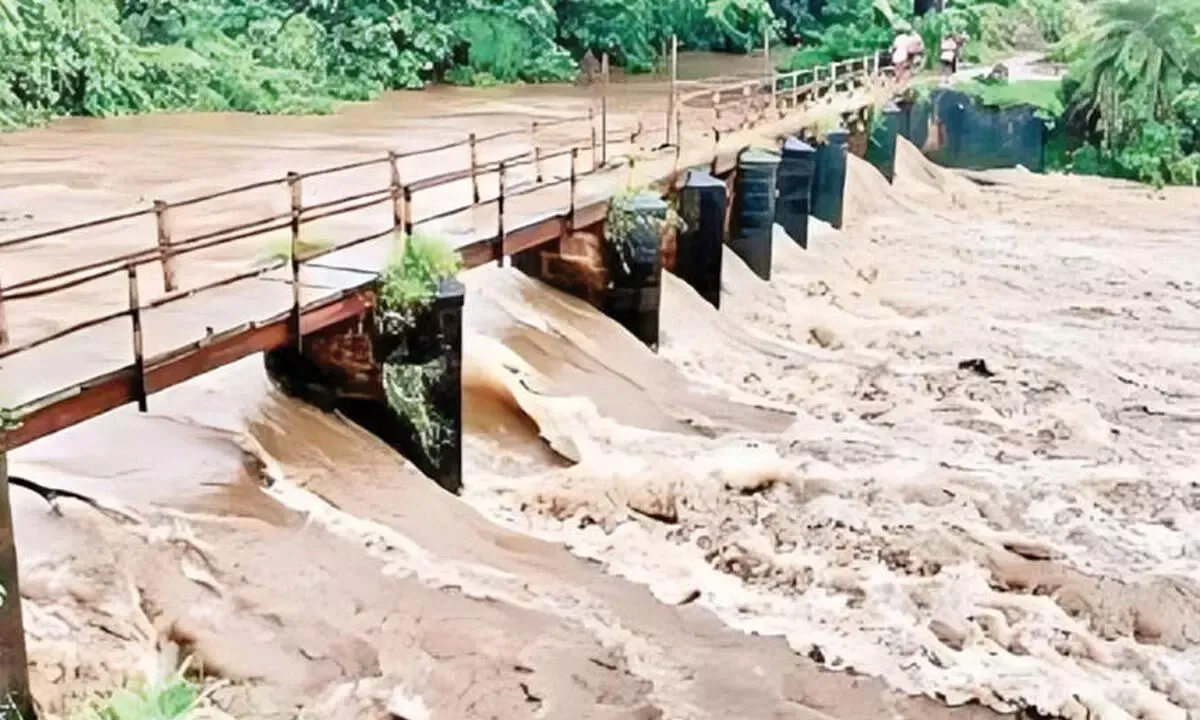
(1136, 55)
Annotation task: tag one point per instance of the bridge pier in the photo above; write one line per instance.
(15, 701)
(700, 247)
(829, 183)
(882, 149)
(402, 383)
(615, 265)
(796, 168)
(754, 209)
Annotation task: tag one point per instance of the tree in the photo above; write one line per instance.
(1136, 57)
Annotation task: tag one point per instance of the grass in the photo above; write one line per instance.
(175, 698)
(1042, 94)
(280, 249)
(411, 277)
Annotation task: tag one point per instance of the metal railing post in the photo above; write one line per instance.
(472, 144)
(139, 358)
(537, 153)
(294, 192)
(592, 125)
(502, 181)
(571, 185)
(395, 190)
(672, 100)
(4, 337)
(604, 110)
(408, 211)
(162, 222)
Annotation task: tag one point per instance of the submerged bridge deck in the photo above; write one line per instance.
(78, 341)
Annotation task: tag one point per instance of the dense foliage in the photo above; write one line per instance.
(1133, 91)
(105, 57)
(845, 29)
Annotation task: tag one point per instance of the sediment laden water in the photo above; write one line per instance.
(951, 449)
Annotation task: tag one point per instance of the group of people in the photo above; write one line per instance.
(908, 52)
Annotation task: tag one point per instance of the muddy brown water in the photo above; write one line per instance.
(802, 508)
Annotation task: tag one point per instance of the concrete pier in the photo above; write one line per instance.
(754, 209)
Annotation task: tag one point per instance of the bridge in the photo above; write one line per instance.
(78, 341)
(168, 291)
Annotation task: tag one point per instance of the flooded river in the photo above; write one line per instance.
(943, 465)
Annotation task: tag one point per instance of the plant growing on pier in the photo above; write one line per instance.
(9, 420)
(624, 226)
(410, 280)
(407, 389)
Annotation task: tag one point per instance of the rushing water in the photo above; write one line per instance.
(809, 478)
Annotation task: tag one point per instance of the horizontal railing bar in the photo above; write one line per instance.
(343, 168)
(69, 330)
(74, 228)
(338, 201)
(343, 211)
(224, 193)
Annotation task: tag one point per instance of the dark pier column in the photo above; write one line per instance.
(796, 168)
(701, 244)
(882, 151)
(15, 700)
(633, 241)
(399, 379)
(615, 265)
(754, 209)
(830, 184)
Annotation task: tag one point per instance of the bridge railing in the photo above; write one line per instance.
(491, 184)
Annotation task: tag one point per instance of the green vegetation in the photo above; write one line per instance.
(846, 29)
(1133, 92)
(410, 280)
(407, 388)
(626, 227)
(280, 249)
(1045, 95)
(9, 419)
(173, 699)
(407, 286)
(112, 57)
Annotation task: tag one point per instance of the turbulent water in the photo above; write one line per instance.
(947, 453)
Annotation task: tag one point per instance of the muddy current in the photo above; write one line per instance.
(942, 465)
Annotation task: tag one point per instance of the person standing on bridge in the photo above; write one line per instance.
(908, 52)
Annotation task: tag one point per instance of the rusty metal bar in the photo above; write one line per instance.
(41, 292)
(72, 228)
(164, 245)
(537, 150)
(474, 167)
(552, 182)
(342, 168)
(672, 88)
(139, 358)
(395, 190)
(295, 192)
(408, 213)
(58, 335)
(381, 195)
(574, 184)
(604, 109)
(429, 150)
(226, 193)
(502, 181)
(3, 319)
